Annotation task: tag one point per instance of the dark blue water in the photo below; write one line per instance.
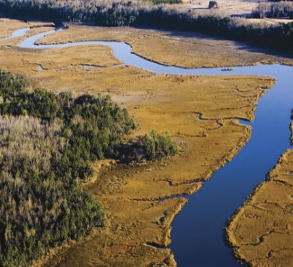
(198, 230)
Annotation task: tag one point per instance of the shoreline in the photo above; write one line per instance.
(269, 235)
(266, 209)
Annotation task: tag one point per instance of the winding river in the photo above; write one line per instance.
(198, 230)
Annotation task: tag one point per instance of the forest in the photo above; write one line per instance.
(48, 142)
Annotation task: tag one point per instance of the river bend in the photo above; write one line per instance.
(197, 231)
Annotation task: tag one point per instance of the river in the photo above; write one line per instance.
(198, 230)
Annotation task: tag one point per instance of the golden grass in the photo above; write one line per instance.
(131, 196)
(261, 231)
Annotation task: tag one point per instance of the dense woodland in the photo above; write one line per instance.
(146, 14)
(48, 142)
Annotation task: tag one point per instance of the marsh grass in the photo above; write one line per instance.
(263, 225)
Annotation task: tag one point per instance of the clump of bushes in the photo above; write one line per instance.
(150, 147)
(213, 4)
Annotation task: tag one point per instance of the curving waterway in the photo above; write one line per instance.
(198, 230)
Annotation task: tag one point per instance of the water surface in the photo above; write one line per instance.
(17, 33)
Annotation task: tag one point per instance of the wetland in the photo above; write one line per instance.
(201, 113)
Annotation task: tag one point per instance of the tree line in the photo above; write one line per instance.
(47, 144)
(281, 9)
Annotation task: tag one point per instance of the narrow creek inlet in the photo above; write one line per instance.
(198, 230)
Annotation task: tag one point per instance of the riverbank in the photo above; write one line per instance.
(261, 230)
(199, 112)
(8, 26)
